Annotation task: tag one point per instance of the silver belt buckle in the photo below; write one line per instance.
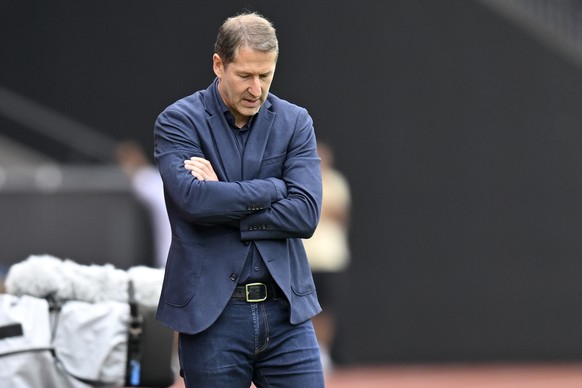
(247, 292)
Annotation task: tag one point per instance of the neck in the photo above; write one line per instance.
(240, 121)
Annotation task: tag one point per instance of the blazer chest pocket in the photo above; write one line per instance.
(273, 166)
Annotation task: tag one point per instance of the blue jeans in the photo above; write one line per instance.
(252, 342)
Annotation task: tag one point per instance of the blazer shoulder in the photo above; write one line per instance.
(193, 102)
(289, 112)
(279, 105)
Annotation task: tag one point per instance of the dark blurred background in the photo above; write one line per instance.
(458, 124)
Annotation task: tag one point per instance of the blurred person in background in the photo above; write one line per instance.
(147, 186)
(328, 251)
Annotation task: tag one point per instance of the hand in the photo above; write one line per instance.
(201, 169)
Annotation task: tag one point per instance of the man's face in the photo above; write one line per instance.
(245, 82)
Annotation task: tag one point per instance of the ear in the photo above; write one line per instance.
(217, 65)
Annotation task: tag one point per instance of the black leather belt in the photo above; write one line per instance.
(255, 292)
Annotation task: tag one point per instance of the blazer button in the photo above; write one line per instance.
(233, 276)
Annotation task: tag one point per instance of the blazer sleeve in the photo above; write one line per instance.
(296, 215)
(204, 202)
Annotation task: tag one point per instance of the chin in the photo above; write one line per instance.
(250, 112)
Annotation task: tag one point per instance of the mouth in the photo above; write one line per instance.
(251, 103)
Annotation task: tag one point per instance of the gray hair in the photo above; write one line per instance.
(246, 30)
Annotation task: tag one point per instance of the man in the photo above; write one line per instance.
(242, 183)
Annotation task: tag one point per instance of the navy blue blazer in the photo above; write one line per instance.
(272, 198)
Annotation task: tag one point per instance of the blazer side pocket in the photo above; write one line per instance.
(185, 264)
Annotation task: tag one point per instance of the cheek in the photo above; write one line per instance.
(266, 87)
(237, 88)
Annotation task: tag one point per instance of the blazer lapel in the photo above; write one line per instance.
(257, 141)
(224, 142)
(226, 146)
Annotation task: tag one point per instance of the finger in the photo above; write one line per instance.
(194, 166)
(196, 158)
(200, 160)
(197, 175)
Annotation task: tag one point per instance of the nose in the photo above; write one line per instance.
(255, 87)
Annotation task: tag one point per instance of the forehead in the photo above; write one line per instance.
(247, 59)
